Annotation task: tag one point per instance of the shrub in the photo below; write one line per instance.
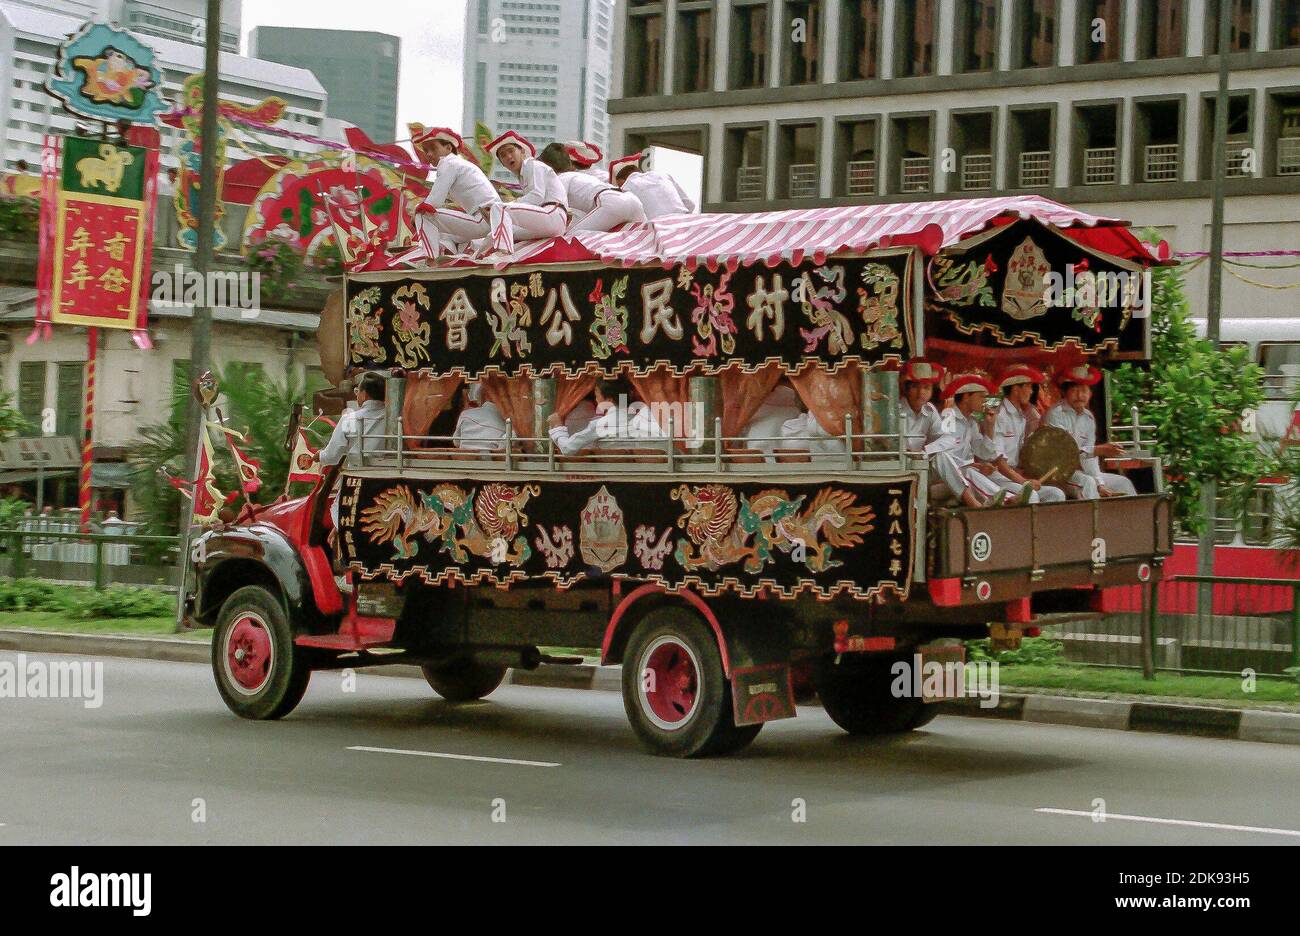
(83, 603)
(1033, 650)
(20, 218)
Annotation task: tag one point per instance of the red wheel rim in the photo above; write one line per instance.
(670, 683)
(249, 653)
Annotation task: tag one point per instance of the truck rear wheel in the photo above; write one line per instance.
(856, 695)
(464, 680)
(260, 673)
(675, 692)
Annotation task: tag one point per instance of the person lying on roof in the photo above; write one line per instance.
(594, 205)
(542, 210)
(658, 192)
(616, 424)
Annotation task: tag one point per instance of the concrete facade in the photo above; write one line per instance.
(1127, 136)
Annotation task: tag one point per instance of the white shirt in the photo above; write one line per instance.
(1010, 429)
(972, 443)
(1083, 427)
(365, 421)
(763, 431)
(480, 427)
(460, 181)
(805, 432)
(924, 431)
(582, 190)
(659, 194)
(637, 430)
(541, 185)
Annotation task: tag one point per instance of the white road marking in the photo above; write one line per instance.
(1192, 823)
(468, 757)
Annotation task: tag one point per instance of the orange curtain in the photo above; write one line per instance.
(570, 391)
(829, 397)
(426, 398)
(513, 396)
(660, 386)
(743, 394)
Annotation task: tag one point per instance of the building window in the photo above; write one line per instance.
(1241, 29)
(744, 165)
(749, 38)
(67, 406)
(1035, 32)
(796, 160)
(1157, 133)
(1100, 34)
(1240, 164)
(912, 165)
(645, 52)
(1030, 141)
(1096, 144)
(484, 17)
(971, 137)
(803, 30)
(1286, 24)
(856, 147)
(977, 45)
(31, 395)
(861, 31)
(1284, 148)
(914, 28)
(1160, 29)
(694, 52)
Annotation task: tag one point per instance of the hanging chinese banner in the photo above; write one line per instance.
(94, 265)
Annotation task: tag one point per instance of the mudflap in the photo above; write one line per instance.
(761, 686)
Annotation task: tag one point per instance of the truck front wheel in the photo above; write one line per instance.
(464, 680)
(856, 695)
(260, 673)
(675, 691)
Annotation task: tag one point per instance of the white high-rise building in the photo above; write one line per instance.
(540, 67)
(181, 20)
(29, 42)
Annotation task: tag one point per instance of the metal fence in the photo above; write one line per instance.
(97, 559)
(1213, 625)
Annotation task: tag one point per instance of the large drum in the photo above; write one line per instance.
(1049, 454)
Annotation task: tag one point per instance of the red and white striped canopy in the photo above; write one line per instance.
(768, 236)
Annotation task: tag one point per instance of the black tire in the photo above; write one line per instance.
(256, 685)
(680, 640)
(856, 695)
(464, 680)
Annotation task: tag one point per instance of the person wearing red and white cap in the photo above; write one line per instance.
(585, 156)
(658, 192)
(975, 452)
(459, 180)
(1072, 415)
(924, 433)
(1015, 419)
(542, 211)
(594, 205)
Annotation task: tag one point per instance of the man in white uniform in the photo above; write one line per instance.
(1016, 418)
(1072, 415)
(975, 452)
(616, 425)
(542, 211)
(358, 430)
(924, 434)
(584, 156)
(480, 425)
(445, 230)
(594, 205)
(658, 192)
(763, 431)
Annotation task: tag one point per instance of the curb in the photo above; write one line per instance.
(1207, 721)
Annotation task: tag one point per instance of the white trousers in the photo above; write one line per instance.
(519, 222)
(448, 230)
(612, 209)
(958, 477)
(1084, 486)
(1044, 495)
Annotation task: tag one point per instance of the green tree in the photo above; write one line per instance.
(12, 422)
(1195, 395)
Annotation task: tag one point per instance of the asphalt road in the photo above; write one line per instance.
(562, 766)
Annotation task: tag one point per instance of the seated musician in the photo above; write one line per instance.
(763, 431)
(805, 433)
(480, 425)
(1072, 415)
(1016, 418)
(975, 452)
(615, 425)
(923, 430)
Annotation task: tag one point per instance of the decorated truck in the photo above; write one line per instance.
(721, 573)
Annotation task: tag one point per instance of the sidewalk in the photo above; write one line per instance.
(1124, 714)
